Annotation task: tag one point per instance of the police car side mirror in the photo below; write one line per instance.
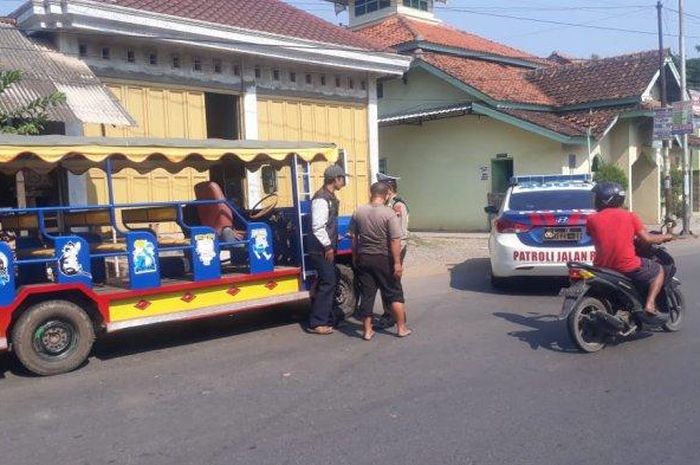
(491, 210)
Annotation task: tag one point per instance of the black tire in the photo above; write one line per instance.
(587, 335)
(53, 337)
(677, 315)
(500, 283)
(346, 295)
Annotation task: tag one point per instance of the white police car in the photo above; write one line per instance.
(541, 226)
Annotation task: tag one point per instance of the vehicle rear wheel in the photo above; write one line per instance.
(584, 329)
(53, 337)
(499, 283)
(677, 313)
(346, 292)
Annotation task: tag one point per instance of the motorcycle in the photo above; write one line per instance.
(602, 305)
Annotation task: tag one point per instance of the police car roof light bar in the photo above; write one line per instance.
(551, 179)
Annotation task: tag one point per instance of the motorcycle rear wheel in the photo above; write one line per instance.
(676, 314)
(586, 332)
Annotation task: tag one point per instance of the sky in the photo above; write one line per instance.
(533, 25)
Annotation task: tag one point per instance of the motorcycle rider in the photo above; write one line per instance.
(613, 230)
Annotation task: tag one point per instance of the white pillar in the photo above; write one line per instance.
(373, 128)
(250, 131)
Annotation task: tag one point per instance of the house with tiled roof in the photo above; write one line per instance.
(471, 112)
(212, 69)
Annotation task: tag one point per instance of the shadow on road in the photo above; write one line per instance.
(544, 331)
(474, 275)
(163, 336)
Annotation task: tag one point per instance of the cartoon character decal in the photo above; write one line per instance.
(144, 257)
(205, 249)
(261, 245)
(4, 272)
(69, 262)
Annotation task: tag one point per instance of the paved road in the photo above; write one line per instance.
(486, 379)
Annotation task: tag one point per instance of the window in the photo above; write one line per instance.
(362, 7)
(276, 74)
(176, 61)
(323, 80)
(293, 76)
(337, 81)
(382, 165)
(417, 4)
(269, 179)
(197, 64)
(363, 85)
(236, 70)
(351, 84)
(106, 53)
(258, 72)
(131, 56)
(308, 79)
(380, 90)
(578, 199)
(82, 50)
(217, 65)
(153, 59)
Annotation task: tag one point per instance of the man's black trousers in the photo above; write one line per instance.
(323, 312)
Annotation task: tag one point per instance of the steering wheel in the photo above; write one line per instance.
(264, 212)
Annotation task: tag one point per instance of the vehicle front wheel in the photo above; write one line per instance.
(53, 337)
(676, 313)
(585, 329)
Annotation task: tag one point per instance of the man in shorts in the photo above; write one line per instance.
(613, 230)
(376, 235)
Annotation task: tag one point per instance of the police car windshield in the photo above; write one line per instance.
(552, 200)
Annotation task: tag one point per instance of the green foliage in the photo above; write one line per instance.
(609, 172)
(29, 119)
(676, 192)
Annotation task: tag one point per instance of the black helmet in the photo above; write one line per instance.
(608, 195)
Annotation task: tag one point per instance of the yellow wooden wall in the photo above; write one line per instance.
(160, 112)
(345, 124)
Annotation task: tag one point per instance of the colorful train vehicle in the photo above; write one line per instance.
(69, 273)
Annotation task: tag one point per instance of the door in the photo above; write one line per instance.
(501, 173)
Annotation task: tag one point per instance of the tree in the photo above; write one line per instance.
(610, 172)
(29, 118)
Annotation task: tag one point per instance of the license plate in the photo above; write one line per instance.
(563, 234)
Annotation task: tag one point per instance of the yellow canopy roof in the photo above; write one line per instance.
(78, 154)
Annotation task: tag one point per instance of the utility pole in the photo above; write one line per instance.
(668, 197)
(687, 211)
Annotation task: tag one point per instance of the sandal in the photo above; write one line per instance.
(321, 330)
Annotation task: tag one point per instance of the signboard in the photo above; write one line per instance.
(682, 118)
(674, 121)
(484, 173)
(663, 122)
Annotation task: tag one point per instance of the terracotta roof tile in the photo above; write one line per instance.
(573, 123)
(612, 78)
(499, 81)
(272, 16)
(398, 29)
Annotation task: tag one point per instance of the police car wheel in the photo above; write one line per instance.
(499, 283)
(53, 337)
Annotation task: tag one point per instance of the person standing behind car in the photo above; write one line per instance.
(400, 207)
(323, 243)
(376, 251)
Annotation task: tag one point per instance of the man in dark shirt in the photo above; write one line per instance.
(376, 237)
(613, 230)
(323, 243)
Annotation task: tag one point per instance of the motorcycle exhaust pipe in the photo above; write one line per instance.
(614, 322)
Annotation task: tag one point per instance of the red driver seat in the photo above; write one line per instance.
(217, 216)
